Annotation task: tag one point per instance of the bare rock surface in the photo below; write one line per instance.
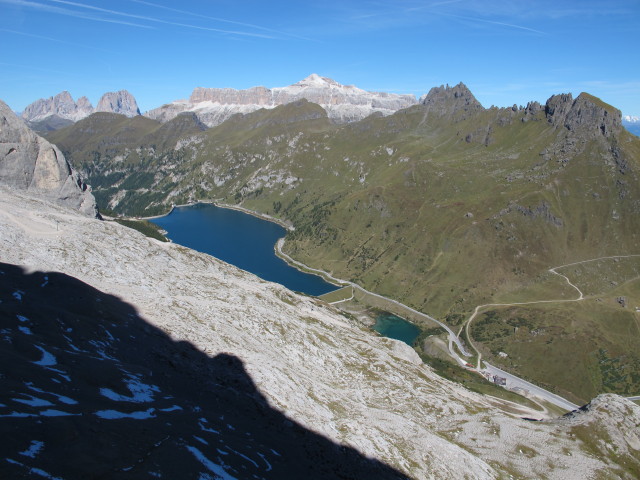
(62, 107)
(343, 103)
(446, 100)
(29, 162)
(121, 102)
(162, 358)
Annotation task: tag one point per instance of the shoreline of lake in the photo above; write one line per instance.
(247, 241)
(263, 216)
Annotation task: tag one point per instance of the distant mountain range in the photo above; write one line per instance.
(343, 103)
(632, 123)
(212, 106)
(48, 114)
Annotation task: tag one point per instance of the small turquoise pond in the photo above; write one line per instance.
(392, 326)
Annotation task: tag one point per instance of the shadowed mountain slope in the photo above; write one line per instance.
(91, 390)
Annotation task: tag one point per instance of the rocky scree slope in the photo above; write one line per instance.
(343, 103)
(139, 358)
(29, 162)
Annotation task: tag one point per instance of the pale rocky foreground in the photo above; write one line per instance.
(315, 365)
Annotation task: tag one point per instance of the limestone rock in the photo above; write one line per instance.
(343, 103)
(121, 102)
(450, 100)
(29, 162)
(62, 106)
(56, 112)
(586, 116)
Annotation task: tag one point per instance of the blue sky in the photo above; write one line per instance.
(506, 52)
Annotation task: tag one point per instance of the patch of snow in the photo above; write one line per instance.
(100, 346)
(25, 330)
(18, 415)
(269, 467)
(46, 281)
(34, 401)
(33, 449)
(140, 392)
(243, 456)
(212, 467)
(34, 470)
(56, 413)
(115, 415)
(171, 409)
(201, 440)
(47, 359)
(61, 398)
(60, 372)
(22, 319)
(18, 295)
(206, 429)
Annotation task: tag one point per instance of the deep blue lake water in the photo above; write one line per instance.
(392, 326)
(241, 240)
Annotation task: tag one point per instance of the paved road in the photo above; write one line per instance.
(452, 336)
(516, 382)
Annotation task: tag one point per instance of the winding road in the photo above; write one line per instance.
(513, 381)
(453, 338)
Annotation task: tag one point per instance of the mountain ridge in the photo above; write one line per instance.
(342, 103)
(47, 114)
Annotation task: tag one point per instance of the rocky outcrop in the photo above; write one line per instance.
(343, 103)
(586, 115)
(29, 162)
(62, 106)
(446, 100)
(56, 112)
(121, 102)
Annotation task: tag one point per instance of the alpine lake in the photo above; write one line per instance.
(248, 242)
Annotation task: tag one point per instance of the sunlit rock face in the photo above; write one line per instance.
(343, 103)
(29, 162)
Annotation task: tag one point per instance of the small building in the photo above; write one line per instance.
(499, 380)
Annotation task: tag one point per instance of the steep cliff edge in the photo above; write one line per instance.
(29, 162)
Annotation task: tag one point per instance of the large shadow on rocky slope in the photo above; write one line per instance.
(90, 390)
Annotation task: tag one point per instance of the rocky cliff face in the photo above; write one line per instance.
(62, 106)
(446, 100)
(55, 110)
(29, 162)
(188, 367)
(343, 103)
(586, 114)
(121, 102)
